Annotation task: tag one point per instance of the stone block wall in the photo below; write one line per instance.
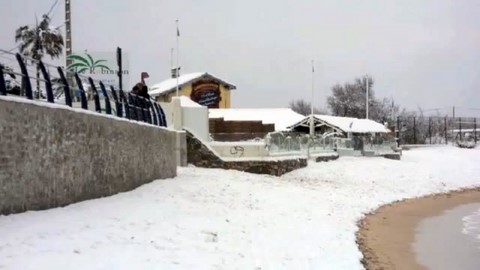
(201, 156)
(326, 158)
(53, 156)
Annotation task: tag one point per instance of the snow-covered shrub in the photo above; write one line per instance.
(466, 144)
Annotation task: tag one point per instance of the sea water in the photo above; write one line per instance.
(471, 226)
(451, 240)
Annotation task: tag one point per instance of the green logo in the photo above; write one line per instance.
(83, 63)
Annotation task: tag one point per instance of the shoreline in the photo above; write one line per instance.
(385, 235)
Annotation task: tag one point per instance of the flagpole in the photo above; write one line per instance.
(312, 130)
(177, 69)
(171, 60)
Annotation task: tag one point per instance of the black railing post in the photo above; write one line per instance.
(108, 106)
(145, 108)
(118, 104)
(132, 107)
(138, 109)
(162, 120)
(3, 85)
(96, 98)
(25, 78)
(153, 112)
(48, 83)
(66, 87)
(83, 97)
(124, 100)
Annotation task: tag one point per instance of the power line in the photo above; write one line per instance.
(2, 52)
(52, 9)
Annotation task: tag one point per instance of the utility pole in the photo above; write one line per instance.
(177, 71)
(453, 126)
(366, 95)
(68, 40)
(312, 127)
(398, 131)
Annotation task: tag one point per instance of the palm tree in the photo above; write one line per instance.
(37, 41)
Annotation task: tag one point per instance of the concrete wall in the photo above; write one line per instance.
(200, 155)
(168, 110)
(196, 119)
(56, 156)
(191, 118)
(240, 149)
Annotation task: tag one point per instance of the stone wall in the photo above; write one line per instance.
(326, 158)
(201, 156)
(53, 156)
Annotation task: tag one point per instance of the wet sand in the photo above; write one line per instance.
(387, 234)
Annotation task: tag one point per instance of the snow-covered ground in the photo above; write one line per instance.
(215, 219)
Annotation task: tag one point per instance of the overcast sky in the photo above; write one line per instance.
(420, 52)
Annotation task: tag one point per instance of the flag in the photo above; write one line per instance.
(143, 76)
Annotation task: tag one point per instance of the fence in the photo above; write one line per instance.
(55, 85)
(291, 142)
(436, 130)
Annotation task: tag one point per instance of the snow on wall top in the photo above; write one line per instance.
(281, 117)
(43, 103)
(170, 85)
(355, 125)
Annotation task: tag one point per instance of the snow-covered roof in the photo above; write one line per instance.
(170, 85)
(187, 102)
(281, 117)
(347, 124)
(466, 130)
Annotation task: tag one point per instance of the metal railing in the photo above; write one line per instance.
(279, 143)
(378, 145)
(51, 86)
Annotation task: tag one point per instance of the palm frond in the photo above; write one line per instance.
(78, 58)
(99, 61)
(82, 70)
(91, 60)
(103, 66)
(76, 65)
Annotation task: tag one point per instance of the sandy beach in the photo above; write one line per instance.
(386, 235)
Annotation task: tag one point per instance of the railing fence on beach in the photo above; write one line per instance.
(437, 129)
(55, 84)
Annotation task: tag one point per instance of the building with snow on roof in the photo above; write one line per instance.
(342, 126)
(349, 136)
(201, 87)
(249, 123)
